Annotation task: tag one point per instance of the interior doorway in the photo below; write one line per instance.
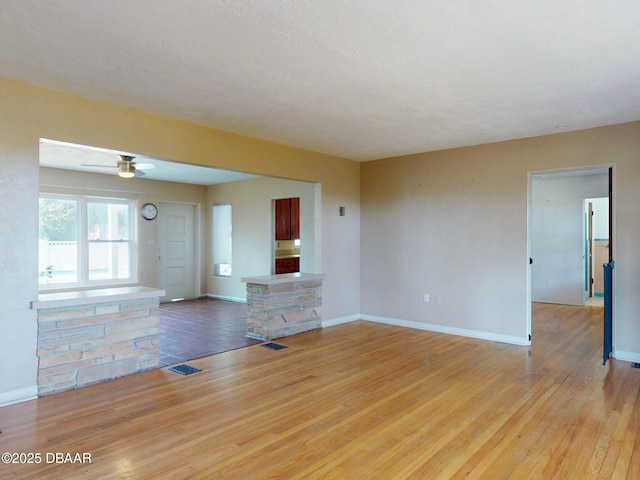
(557, 232)
(287, 235)
(596, 248)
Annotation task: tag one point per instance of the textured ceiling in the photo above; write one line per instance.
(361, 79)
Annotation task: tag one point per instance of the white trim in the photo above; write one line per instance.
(20, 395)
(627, 356)
(224, 297)
(92, 297)
(341, 320)
(283, 278)
(461, 332)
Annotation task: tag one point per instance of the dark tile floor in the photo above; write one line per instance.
(197, 328)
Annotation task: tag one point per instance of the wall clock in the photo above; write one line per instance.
(149, 211)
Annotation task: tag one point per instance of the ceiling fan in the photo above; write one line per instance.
(127, 168)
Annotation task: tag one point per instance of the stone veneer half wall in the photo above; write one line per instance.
(283, 305)
(81, 344)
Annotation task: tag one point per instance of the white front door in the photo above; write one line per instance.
(177, 238)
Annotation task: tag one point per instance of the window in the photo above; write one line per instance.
(58, 254)
(222, 240)
(85, 241)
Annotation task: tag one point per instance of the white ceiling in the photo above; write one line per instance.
(361, 79)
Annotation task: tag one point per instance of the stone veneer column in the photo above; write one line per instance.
(283, 305)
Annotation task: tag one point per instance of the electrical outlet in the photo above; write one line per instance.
(426, 298)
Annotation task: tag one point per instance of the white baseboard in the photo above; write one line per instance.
(341, 320)
(461, 332)
(230, 299)
(493, 337)
(20, 395)
(627, 356)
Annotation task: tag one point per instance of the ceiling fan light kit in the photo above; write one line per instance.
(126, 167)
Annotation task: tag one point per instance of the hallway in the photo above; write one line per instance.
(196, 328)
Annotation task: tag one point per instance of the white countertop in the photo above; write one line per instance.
(283, 278)
(88, 297)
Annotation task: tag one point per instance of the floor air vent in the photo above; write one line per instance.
(273, 346)
(635, 365)
(184, 369)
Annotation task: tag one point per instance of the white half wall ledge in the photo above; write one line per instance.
(95, 296)
(19, 395)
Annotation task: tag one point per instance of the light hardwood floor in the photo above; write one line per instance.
(354, 401)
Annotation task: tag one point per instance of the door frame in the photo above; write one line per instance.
(197, 244)
(611, 168)
(592, 266)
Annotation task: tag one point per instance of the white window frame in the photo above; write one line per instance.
(83, 243)
(222, 239)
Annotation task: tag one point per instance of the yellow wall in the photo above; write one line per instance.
(450, 223)
(454, 224)
(141, 190)
(253, 229)
(30, 113)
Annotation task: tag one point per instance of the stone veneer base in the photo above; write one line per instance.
(100, 339)
(283, 305)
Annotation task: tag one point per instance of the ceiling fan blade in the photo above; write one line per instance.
(124, 164)
(145, 166)
(95, 165)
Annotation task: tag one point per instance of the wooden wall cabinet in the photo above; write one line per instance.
(288, 219)
(287, 265)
